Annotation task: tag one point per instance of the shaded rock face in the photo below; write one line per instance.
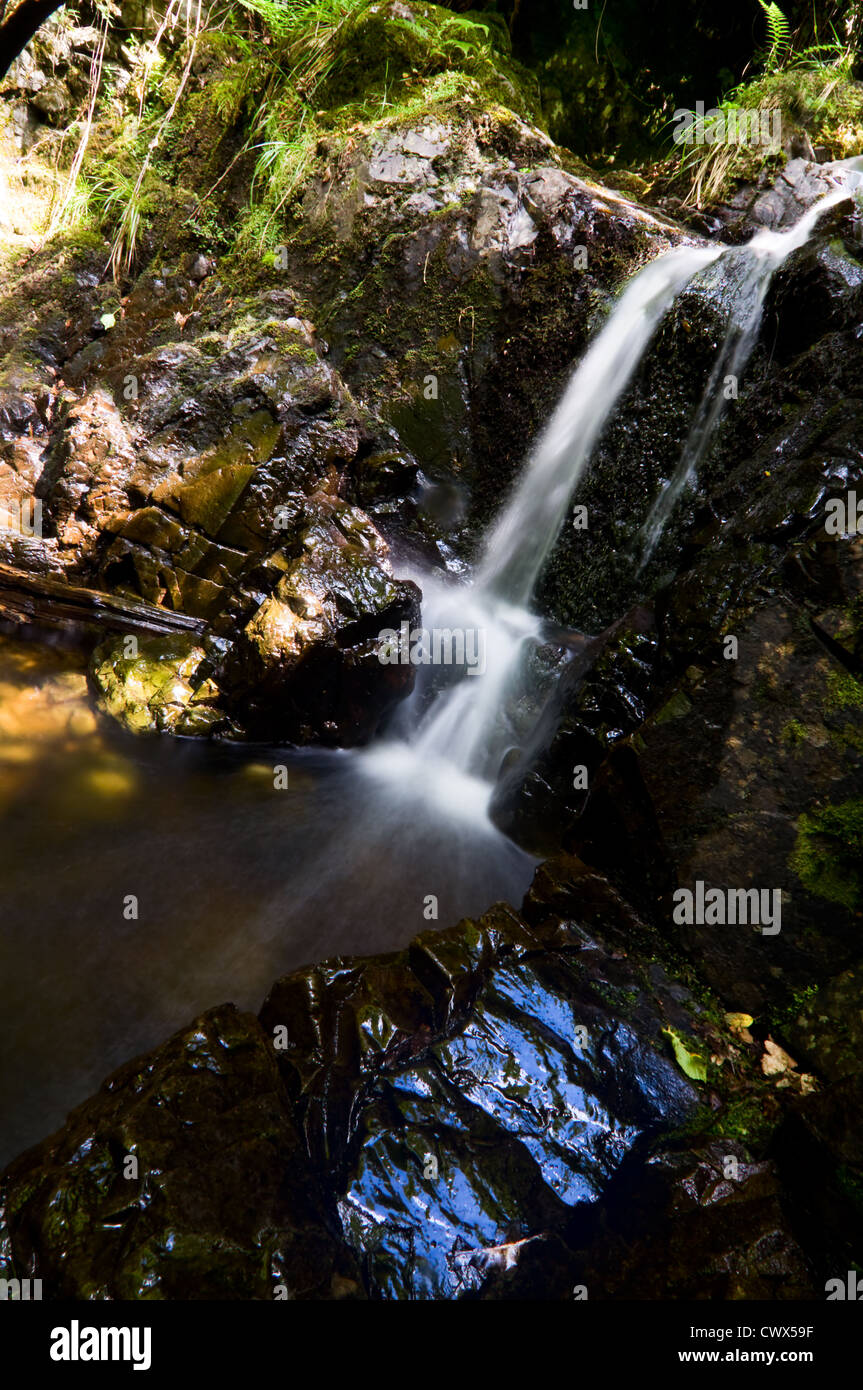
(189, 1166)
(683, 1229)
(820, 1156)
(749, 774)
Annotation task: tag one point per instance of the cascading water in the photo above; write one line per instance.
(454, 739)
(456, 731)
(750, 270)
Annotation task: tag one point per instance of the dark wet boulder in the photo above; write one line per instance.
(183, 1178)
(473, 1090)
(308, 664)
(741, 762)
(818, 1146)
(159, 688)
(479, 1111)
(600, 696)
(703, 1224)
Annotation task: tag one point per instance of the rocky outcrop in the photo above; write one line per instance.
(189, 1165)
(444, 1115)
(205, 473)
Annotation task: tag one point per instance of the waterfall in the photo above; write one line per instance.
(750, 268)
(458, 724)
(521, 541)
(456, 740)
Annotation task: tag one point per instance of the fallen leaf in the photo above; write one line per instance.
(689, 1062)
(775, 1060)
(739, 1025)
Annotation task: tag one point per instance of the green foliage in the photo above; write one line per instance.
(811, 89)
(780, 34)
(828, 853)
(691, 1063)
(344, 64)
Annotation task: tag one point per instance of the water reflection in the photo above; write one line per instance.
(236, 880)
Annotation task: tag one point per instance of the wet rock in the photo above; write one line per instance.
(679, 1226)
(452, 1090)
(799, 185)
(159, 689)
(828, 1033)
(307, 664)
(205, 476)
(724, 784)
(481, 1109)
(602, 695)
(184, 1178)
(85, 481)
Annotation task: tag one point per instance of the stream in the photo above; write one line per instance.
(238, 879)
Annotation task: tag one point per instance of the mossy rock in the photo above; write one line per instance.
(155, 688)
(828, 855)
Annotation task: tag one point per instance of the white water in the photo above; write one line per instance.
(454, 745)
(459, 725)
(752, 267)
(522, 539)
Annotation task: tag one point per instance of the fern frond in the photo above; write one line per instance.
(780, 33)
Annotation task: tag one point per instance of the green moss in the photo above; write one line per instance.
(828, 854)
(794, 733)
(745, 1119)
(843, 691)
(676, 708)
(157, 690)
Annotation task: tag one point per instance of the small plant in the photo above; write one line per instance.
(323, 74)
(810, 90)
(780, 35)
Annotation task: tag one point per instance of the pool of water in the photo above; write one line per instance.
(236, 879)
